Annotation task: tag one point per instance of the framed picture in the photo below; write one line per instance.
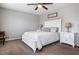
(52, 15)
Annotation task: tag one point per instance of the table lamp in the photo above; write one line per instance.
(68, 25)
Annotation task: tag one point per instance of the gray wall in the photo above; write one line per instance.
(67, 14)
(15, 23)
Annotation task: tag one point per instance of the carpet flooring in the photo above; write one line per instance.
(17, 47)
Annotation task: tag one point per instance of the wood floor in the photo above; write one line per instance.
(17, 47)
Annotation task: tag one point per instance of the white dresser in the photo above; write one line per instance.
(68, 38)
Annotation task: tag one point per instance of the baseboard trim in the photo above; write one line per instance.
(9, 39)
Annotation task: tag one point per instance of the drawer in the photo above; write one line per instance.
(67, 38)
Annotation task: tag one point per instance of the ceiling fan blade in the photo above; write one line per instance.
(38, 3)
(32, 4)
(36, 8)
(47, 3)
(45, 7)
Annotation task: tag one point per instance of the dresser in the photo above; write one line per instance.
(68, 38)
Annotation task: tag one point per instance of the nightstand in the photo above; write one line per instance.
(68, 38)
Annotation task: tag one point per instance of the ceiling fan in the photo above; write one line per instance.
(39, 5)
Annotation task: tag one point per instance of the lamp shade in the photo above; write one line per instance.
(68, 24)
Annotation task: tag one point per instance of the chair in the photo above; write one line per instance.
(2, 38)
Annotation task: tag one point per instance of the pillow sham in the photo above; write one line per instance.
(54, 29)
(46, 29)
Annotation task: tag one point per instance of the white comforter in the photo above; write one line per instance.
(38, 39)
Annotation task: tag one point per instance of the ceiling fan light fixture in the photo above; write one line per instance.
(39, 6)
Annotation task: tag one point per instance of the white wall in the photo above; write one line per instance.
(15, 23)
(67, 14)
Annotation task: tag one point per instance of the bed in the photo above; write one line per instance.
(36, 40)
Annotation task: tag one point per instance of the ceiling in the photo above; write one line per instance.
(23, 7)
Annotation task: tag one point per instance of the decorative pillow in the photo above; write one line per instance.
(54, 29)
(38, 30)
(46, 29)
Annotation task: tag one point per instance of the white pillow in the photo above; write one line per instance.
(54, 29)
(38, 30)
